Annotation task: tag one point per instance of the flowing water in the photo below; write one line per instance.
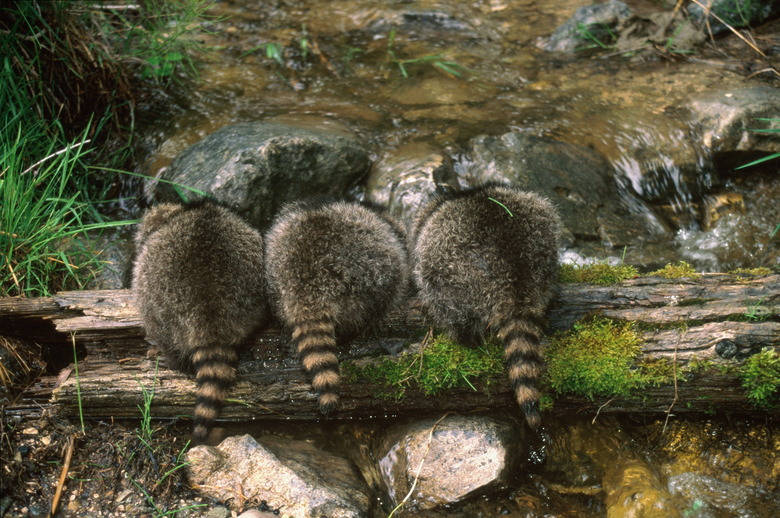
(444, 72)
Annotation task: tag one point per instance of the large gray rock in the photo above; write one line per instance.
(303, 481)
(576, 179)
(404, 179)
(726, 118)
(455, 458)
(736, 13)
(257, 166)
(586, 24)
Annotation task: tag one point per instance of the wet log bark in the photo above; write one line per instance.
(716, 317)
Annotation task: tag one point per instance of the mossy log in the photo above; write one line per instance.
(715, 321)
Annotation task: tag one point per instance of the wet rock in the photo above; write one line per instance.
(737, 13)
(441, 90)
(743, 237)
(413, 19)
(292, 475)
(455, 458)
(727, 116)
(709, 496)
(576, 179)
(588, 22)
(589, 457)
(669, 30)
(256, 166)
(404, 179)
(115, 252)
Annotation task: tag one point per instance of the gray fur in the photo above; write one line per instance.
(486, 260)
(200, 289)
(334, 268)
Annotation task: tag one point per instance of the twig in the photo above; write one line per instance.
(732, 29)
(599, 410)
(674, 400)
(65, 468)
(61, 151)
(419, 468)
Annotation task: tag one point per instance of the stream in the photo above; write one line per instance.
(401, 73)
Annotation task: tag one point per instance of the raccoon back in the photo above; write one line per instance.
(200, 288)
(334, 268)
(486, 260)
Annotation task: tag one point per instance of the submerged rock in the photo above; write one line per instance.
(292, 475)
(589, 23)
(590, 457)
(447, 460)
(403, 180)
(257, 166)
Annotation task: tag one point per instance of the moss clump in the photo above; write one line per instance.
(760, 376)
(675, 271)
(440, 365)
(751, 272)
(597, 273)
(595, 358)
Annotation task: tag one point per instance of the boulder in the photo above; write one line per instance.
(257, 166)
(736, 13)
(588, 23)
(295, 476)
(447, 460)
(576, 179)
(404, 179)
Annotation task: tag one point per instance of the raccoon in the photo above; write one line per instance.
(486, 260)
(200, 288)
(334, 268)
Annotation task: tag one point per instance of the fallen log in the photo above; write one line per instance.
(717, 320)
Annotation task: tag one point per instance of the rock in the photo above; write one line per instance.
(441, 90)
(115, 251)
(582, 457)
(737, 13)
(709, 496)
(588, 22)
(292, 475)
(257, 166)
(404, 179)
(727, 116)
(743, 234)
(455, 458)
(576, 179)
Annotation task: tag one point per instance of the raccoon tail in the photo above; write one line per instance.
(215, 374)
(521, 336)
(315, 341)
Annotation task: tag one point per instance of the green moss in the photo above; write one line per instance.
(440, 365)
(600, 357)
(597, 273)
(595, 358)
(760, 375)
(676, 271)
(751, 272)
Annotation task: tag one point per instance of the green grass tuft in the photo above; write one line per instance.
(597, 273)
(440, 365)
(676, 271)
(752, 272)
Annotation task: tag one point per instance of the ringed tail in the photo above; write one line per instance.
(521, 337)
(315, 341)
(215, 374)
